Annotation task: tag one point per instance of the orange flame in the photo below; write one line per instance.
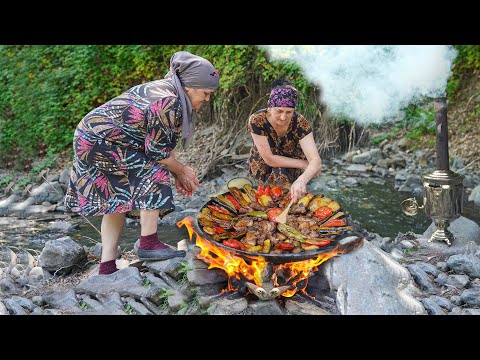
(301, 270)
(220, 258)
(236, 267)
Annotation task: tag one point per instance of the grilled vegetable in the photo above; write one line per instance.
(259, 214)
(273, 213)
(222, 201)
(233, 243)
(219, 209)
(266, 246)
(323, 212)
(334, 205)
(277, 192)
(234, 201)
(339, 222)
(284, 246)
(265, 200)
(240, 196)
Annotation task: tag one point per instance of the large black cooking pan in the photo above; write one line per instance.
(345, 242)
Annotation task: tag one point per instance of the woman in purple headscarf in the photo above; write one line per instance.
(284, 150)
(124, 152)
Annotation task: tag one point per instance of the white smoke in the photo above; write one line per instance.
(371, 83)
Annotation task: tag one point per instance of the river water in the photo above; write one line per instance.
(375, 205)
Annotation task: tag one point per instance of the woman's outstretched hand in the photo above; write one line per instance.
(298, 189)
(186, 181)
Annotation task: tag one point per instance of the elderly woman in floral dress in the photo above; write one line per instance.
(124, 152)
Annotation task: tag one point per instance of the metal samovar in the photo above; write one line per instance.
(443, 188)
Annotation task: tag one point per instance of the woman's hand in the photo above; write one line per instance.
(186, 181)
(179, 186)
(298, 189)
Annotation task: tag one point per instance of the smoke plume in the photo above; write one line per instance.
(371, 84)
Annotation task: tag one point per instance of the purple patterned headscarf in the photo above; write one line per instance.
(283, 96)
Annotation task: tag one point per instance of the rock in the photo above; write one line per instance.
(3, 309)
(126, 282)
(13, 307)
(24, 302)
(61, 255)
(459, 281)
(8, 287)
(64, 300)
(442, 302)
(468, 264)
(421, 278)
(225, 306)
(432, 307)
(8, 256)
(466, 232)
(37, 273)
(62, 226)
(471, 296)
(387, 293)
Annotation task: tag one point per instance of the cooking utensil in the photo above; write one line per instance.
(344, 242)
(282, 218)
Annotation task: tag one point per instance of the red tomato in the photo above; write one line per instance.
(284, 246)
(267, 191)
(233, 201)
(277, 192)
(335, 223)
(219, 230)
(273, 213)
(323, 212)
(219, 209)
(318, 242)
(234, 244)
(260, 191)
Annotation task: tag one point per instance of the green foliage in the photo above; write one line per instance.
(418, 120)
(127, 308)
(466, 64)
(408, 252)
(6, 180)
(45, 90)
(378, 139)
(83, 305)
(47, 162)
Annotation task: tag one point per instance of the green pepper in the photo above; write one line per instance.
(291, 232)
(259, 214)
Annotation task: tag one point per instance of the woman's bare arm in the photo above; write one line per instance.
(314, 168)
(261, 142)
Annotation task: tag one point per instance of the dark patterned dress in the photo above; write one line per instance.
(287, 145)
(117, 149)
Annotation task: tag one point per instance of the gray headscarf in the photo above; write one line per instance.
(192, 71)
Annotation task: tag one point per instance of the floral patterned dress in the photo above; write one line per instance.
(287, 145)
(117, 149)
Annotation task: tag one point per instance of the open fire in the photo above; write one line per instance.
(247, 273)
